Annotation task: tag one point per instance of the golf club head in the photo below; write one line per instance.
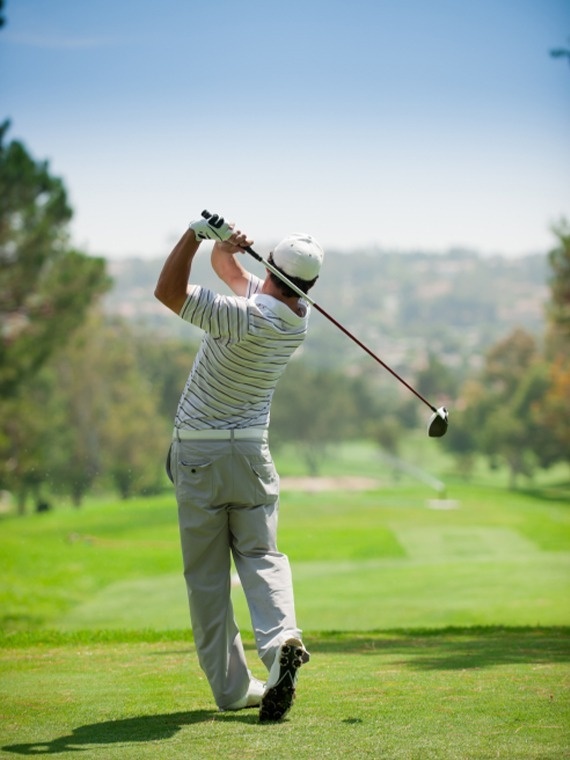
(437, 424)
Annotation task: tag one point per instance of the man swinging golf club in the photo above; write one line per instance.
(226, 485)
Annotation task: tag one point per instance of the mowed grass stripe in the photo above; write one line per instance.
(373, 594)
(443, 543)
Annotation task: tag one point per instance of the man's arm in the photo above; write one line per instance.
(172, 286)
(226, 265)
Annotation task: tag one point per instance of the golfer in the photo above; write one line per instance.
(227, 488)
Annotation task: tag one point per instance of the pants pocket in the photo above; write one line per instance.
(267, 480)
(195, 481)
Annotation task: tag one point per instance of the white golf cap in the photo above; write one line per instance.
(299, 255)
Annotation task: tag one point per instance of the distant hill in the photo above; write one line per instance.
(402, 305)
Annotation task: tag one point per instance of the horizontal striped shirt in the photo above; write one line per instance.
(247, 344)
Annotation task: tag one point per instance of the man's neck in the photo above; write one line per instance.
(270, 289)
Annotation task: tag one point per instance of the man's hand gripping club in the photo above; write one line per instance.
(213, 228)
(228, 241)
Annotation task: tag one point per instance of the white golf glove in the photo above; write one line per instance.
(212, 228)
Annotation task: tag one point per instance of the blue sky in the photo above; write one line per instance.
(398, 124)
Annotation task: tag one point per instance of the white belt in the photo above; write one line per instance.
(244, 434)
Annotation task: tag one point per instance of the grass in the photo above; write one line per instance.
(438, 628)
(447, 694)
(372, 560)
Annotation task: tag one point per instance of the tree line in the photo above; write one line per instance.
(87, 400)
(515, 411)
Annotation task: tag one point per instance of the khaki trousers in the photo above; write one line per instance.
(228, 501)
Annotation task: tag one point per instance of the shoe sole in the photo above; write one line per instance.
(277, 701)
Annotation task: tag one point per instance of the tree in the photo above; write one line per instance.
(463, 435)
(80, 380)
(505, 430)
(134, 437)
(110, 427)
(497, 418)
(166, 363)
(25, 437)
(46, 287)
(312, 408)
(559, 260)
(506, 362)
(552, 409)
(435, 378)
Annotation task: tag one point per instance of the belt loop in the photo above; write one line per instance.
(232, 435)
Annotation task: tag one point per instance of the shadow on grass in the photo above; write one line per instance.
(454, 648)
(559, 492)
(145, 728)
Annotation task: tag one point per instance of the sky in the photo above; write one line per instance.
(382, 124)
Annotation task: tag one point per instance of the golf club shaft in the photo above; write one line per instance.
(336, 323)
(373, 355)
(328, 316)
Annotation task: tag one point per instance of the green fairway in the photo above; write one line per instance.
(439, 628)
(451, 694)
(370, 560)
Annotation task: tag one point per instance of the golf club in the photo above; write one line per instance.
(437, 423)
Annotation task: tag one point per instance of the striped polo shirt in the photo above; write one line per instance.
(247, 344)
